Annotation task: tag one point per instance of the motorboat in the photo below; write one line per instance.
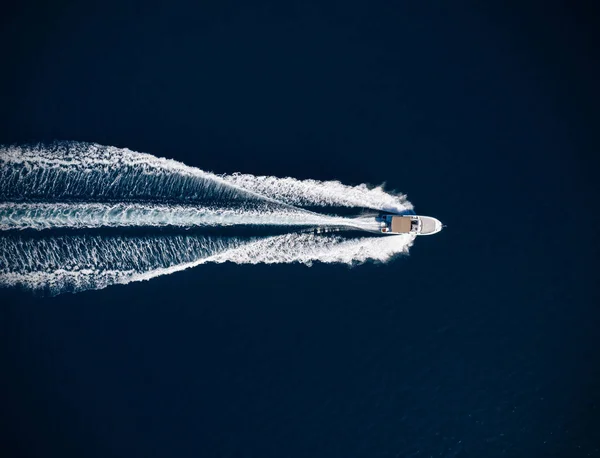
(409, 224)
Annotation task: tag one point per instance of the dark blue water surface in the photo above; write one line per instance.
(482, 343)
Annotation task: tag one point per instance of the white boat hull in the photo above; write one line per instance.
(410, 224)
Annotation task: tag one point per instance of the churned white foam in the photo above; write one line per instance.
(91, 172)
(321, 193)
(94, 215)
(87, 186)
(306, 248)
(75, 263)
(70, 263)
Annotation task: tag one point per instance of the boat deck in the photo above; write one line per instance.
(401, 224)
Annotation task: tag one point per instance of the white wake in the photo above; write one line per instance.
(321, 193)
(70, 170)
(75, 263)
(41, 216)
(73, 185)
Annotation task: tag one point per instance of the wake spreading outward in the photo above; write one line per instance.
(78, 186)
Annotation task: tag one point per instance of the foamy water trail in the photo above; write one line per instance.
(306, 248)
(82, 171)
(58, 264)
(70, 186)
(321, 193)
(41, 216)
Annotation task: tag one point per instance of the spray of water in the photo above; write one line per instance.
(70, 170)
(72, 185)
(71, 263)
(321, 193)
(95, 215)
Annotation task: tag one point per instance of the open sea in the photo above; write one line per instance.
(480, 341)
